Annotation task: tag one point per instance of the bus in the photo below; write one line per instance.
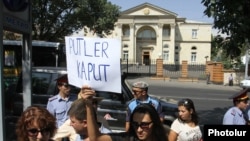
(43, 54)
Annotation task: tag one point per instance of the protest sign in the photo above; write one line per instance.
(94, 62)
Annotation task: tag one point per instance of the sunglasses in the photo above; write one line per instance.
(66, 85)
(184, 102)
(136, 92)
(245, 101)
(142, 125)
(34, 132)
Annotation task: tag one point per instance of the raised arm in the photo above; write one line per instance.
(93, 129)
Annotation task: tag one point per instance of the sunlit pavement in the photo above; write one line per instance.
(200, 84)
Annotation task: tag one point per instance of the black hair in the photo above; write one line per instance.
(189, 105)
(158, 130)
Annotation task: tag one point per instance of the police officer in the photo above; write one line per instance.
(140, 92)
(235, 115)
(59, 104)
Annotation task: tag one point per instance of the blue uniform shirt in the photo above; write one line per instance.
(59, 107)
(134, 102)
(234, 116)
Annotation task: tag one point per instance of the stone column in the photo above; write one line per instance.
(172, 43)
(159, 39)
(132, 39)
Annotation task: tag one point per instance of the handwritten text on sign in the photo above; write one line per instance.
(95, 62)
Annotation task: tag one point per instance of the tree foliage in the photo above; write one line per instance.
(231, 17)
(8, 35)
(52, 20)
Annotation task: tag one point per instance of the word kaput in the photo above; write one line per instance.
(215, 132)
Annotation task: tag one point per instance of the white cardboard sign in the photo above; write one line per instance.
(94, 62)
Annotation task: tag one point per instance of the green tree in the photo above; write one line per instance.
(8, 35)
(231, 17)
(218, 45)
(52, 20)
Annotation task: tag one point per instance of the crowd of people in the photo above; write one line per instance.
(69, 118)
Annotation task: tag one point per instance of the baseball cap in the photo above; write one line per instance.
(140, 84)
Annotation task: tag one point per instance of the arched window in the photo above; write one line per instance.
(193, 54)
(146, 34)
(125, 46)
(193, 48)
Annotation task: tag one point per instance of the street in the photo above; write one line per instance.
(211, 101)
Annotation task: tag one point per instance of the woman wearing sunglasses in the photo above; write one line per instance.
(36, 124)
(185, 127)
(145, 124)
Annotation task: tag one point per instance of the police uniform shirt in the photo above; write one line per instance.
(134, 102)
(234, 116)
(59, 107)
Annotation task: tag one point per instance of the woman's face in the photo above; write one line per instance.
(35, 133)
(184, 113)
(142, 124)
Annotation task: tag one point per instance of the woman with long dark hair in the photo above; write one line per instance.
(151, 128)
(185, 127)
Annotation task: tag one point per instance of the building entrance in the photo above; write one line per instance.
(146, 58)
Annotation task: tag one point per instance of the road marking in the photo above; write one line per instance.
(212, 99)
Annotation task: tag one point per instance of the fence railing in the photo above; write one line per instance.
(172, 70)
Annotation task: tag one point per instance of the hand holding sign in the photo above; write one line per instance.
(94, 62)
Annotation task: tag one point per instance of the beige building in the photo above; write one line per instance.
(148, 32)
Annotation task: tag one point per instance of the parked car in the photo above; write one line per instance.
(245, 83)
(43, 87)
(114, 104)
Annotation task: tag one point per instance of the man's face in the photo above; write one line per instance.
(64, 89)
(243, 104)
(137, 92)
(79, 126)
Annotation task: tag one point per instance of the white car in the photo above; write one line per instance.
(245, 83)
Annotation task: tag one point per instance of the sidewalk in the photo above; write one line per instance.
(175, 83)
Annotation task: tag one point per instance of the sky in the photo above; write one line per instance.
(189, 9)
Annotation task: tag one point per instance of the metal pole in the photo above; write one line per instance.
(247, 59)
(2, 108)
(26, 70)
